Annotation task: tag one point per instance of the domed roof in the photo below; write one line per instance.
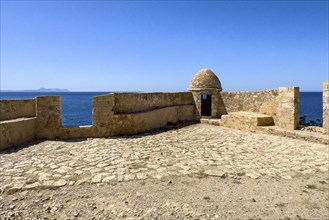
(205, 79)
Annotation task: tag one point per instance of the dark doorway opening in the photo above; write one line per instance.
(205, 105)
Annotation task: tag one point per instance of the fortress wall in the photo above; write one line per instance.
(17, 122)
(264, 102)
(140, 102)
(103, 115)
(139, 112)
(288, 108)
(16, 131)
(282, 104)
(77, 132)
(125, 124)
(325, 113)
(49, 117)
(11, 109)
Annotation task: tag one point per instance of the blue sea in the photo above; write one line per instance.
(77, 106)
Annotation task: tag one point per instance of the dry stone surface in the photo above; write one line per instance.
(194, 150)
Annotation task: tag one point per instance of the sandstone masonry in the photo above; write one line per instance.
(132, 113)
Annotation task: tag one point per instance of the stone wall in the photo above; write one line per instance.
(16, 131)
(264, 102)
(139, 102)
(103, 115)
(116, 114)
(11, 109)
(288, 108)
(49, 117)
(17, 122)
(217, 106)
(139, 122)
(77, 132)
(325, 95)
(131, 113)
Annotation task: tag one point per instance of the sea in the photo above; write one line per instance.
(77, 106)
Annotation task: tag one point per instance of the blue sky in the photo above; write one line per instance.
(159, 46)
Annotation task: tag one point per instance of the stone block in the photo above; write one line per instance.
(288, 107)
(48, 116)
(246, 120)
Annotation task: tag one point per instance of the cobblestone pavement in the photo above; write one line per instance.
(195, 150)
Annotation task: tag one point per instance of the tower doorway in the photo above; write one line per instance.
(205, 105)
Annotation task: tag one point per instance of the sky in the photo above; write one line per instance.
(161, 45)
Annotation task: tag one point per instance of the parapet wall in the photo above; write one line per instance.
(141, 102)
(17, 122)
(130, 113)
(16, 131)
(115, 114)
(282, 104)
(288, 108)
(138, 112)
(49, 116)
(11, 109)
(125, 124)
(264, 102)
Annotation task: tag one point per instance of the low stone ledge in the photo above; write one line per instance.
(11, 109)
(16, 131)
(311, 136)
(76, 132)
(246, 120)
(125, 124)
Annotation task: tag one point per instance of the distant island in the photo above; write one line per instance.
(48, 90)
(38, 90)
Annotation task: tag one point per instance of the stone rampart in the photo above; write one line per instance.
(157, 118)
(140, 102)
(49, 117)
(325, 95)
(130, 113)
(16, 131)
(103, 115)
(288, 108)
(264, 102)
(11, 109)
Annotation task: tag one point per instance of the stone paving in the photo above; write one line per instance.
(196, 150)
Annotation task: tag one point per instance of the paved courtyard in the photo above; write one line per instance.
(194, 150)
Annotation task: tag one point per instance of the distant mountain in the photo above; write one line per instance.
(48, 90)
(38, 90)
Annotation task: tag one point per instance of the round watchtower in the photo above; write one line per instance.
(205, 79)
(206, 87)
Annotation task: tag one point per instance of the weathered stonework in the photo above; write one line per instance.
(264, 102)
(217, 107)
(205, 82)
(16, 131)
(140, 102)
(246, 120)
(140, 122)
(325, 95)
(288, 108)
(132, 113)
(11, 109)
(49, 116)
(103, 115)
(17, 122)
